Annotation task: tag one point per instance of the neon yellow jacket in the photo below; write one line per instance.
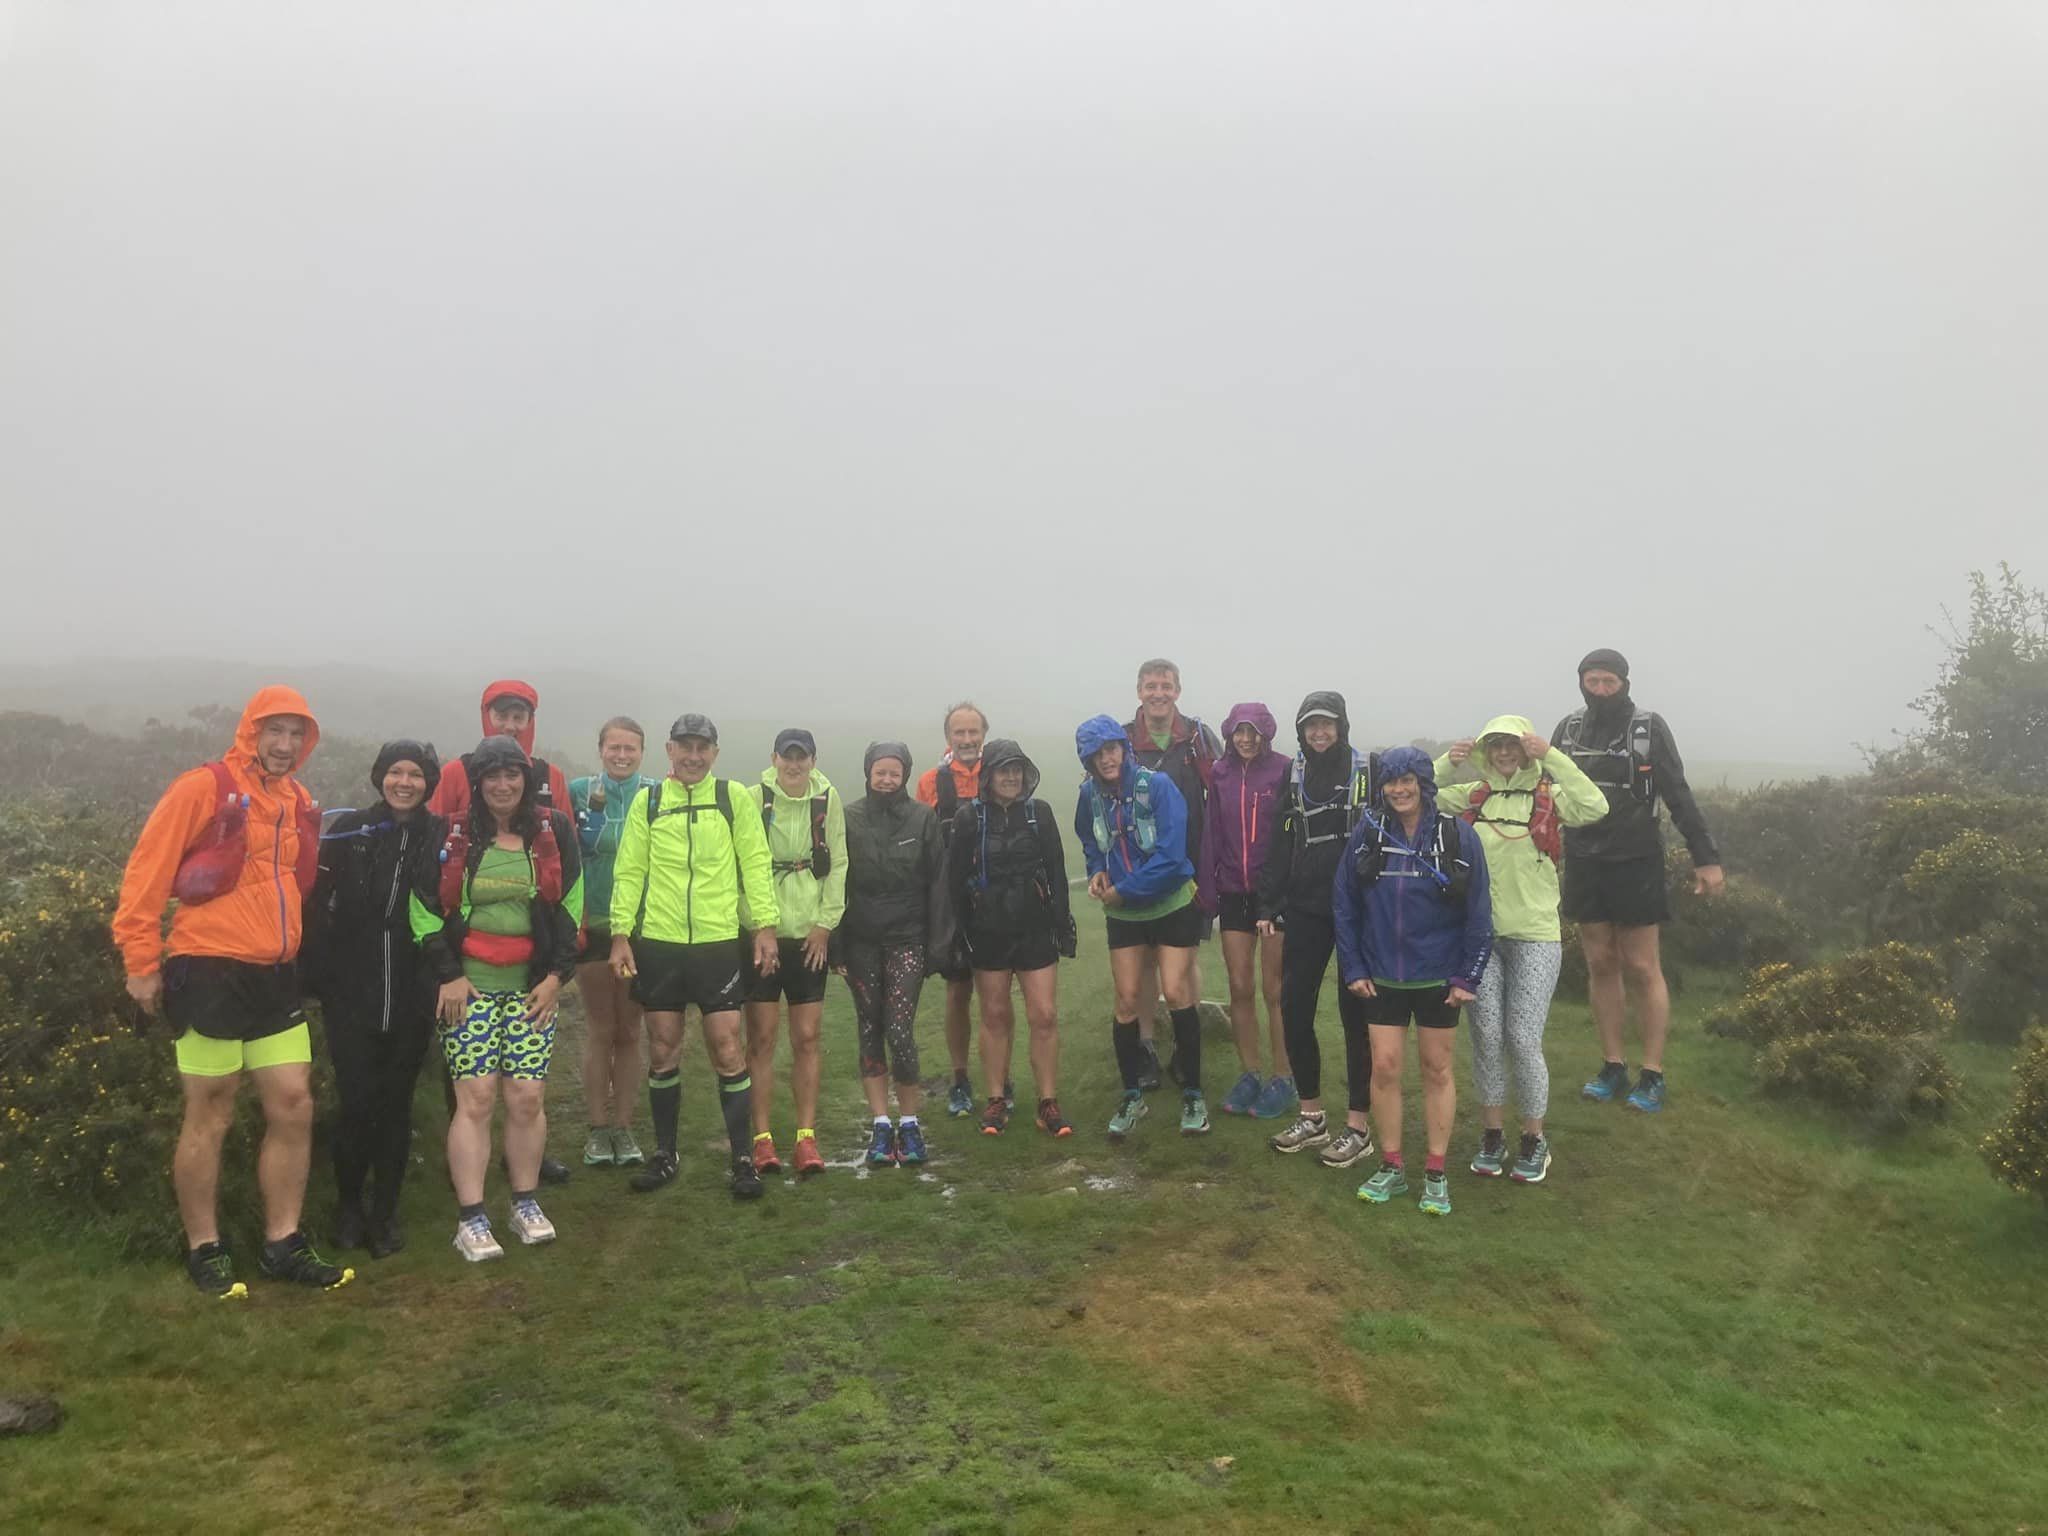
(806, 901)
(690, 867)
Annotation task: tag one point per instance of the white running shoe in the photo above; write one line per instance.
(531, 1222)
(473, 1239)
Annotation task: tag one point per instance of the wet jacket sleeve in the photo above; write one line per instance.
(1477, 944)
(1455, 798)
(565, 917)
(1208, 867)
(941, 928)
(750, 851)
(960, 866)
(1669, 775)
(1166, 867)
(316, 936)
(1084, 828)
(1349, 914)
(1580, 802)
(629, 867)
(174, 826)
(1448, 773)
(1278, 870)
(832, 889)
(1053, 854)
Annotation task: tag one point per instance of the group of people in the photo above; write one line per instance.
(462, 903)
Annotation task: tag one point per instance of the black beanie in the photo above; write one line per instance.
(1605, 660)
(403, 751)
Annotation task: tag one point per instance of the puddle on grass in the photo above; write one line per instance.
(1104, 1183)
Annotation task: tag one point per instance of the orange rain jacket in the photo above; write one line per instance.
(257, 921)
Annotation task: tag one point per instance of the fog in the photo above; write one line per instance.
(843, 360)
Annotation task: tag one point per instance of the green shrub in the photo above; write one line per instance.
(2017, 1148)
(1805, 841)
(1886, 1079)
(1987, 898)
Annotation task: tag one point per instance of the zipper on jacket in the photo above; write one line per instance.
(277, 879)
(390, 906)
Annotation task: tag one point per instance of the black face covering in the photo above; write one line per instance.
(1605, 711)
(1324, 773)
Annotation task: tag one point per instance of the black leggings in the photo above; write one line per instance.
(1306, 944)
(374, 1074)
(885, 982)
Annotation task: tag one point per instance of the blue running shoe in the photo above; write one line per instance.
(1612, 1083)
(882, 1150)
(910, 1142)
(1649, 1094)
(959, 1098)
(1276, 1100)
(1244, 1093)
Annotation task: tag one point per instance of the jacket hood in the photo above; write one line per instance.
(1255, 715)
(498, 752)
(1517, 726)
(512, 688)
(1396, 762)
(263, 703)
(998, 752)
(819, 785)
(880, 749)
(406, 751)
(1095, 733)
(1326, 700)
(1323, 772)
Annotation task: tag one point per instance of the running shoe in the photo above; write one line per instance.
(1612, 1083)
(387, 1236)
(959, 1098)
(1244, 1093)
(746, 1183)
(599, 1150)
(1051, 1121)
(350, 1229)
(473, 1239)
(1493, 1151)
(1649, 1094)
(882, 1150)
(766, 1159)
(1349, 1147)
(996, 1118)
(625, 1150)
(660, 1169)
(1532, 1163)
(1194, 1113)
(1275, 1099)
(910, 1142)
(1436, 1193)
(1308, 1131)
(1384, 1185)
(213, 1271)
(530, 1222)
(807, 1160)
(1130, 1110)
(294, 1259)
(1148, 1074)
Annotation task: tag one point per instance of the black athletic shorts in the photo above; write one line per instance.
(1012, 951)
(597, 945)
(792, 979)
(1429, 1007)
(1237, 913)
(1629, 892)
(226, 999)
(1176, 930)
(710, 977)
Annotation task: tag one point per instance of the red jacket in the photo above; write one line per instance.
(451, 795)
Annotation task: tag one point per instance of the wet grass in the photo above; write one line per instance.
(1731, 1317)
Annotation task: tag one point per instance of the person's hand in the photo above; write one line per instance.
(766, 956)
(1362, 987)
(148, 992)
(1111, 896)
(540, 1002)
(1535, 746)
(815, 946)
(1708, 880)
(1457, 997)
(1459, 751)
(1099, 884)
(453, 1002)
(1267, 928)
(839, 969)
(622, 957)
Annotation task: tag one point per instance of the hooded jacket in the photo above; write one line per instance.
(1189, 758)
(556, 925)
(259, 920)
(598, 833)
(451, 797)
(1297, 873)
(896, 867)
(1405, 929)
(1005, 864)
(802, 900)
(1243, 809)
(681, 880)
(360, 957)
(1522, 883)
(1152, 882)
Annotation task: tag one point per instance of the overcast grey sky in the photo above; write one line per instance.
(873, 352)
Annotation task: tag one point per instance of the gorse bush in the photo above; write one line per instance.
(1803, 841)
(1989, 896)
(2017, 1148)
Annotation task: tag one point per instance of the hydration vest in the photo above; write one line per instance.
(1629, 755)
(1359, 793)
(457, 864)
(1545, 831)
(820, 861)
(1144, 828)
(212, 866)
(1441, 859)
(981, 847)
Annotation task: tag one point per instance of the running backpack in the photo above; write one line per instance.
(981, 847)
(212, 866)
(1441, 859)
(1360, 791)
(820, 864)
(1639, 779)
(1545, 831)
(1144, 829)
(544, 852)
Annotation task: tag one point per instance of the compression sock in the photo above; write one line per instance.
(1391, 1157)
(1130, 1052)
(665, 1104)
(736, 1099)
(1434, 1163)
(1187, 1047)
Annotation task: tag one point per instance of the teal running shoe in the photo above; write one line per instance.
(1649, 1094)
(1384, 1185)
(1194, 1113)
(959, 1098)
(1612, 1083)
(1244, 1093)
(1276, 1100)
(1130, 1110)
(598, 1148)
(1492, 1153)
(1533, 1162)
(1436, 1194)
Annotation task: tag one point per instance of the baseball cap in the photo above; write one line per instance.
(796, 737)
(693, 725)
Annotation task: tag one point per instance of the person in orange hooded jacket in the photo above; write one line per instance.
(237, 842)
(508, 709)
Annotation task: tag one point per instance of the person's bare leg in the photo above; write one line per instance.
(1389, 1053)
(1129, 981)
(1603, 986)
(1642, 970)
(287, 1154)
(195, 1165)
(1041, 990)
(601, 1095)
(526, 1130)
(806, 1061)
(998, 1028)
(1436, 1047)
(1238, 961)
(469, 1137)
(761, 1021)
(1179, 980)
(1269, 983)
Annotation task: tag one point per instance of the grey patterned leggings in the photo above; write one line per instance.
(1516, 989)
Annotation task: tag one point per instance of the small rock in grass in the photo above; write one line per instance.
(29, 1415)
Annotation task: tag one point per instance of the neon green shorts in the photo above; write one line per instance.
(201, 1056)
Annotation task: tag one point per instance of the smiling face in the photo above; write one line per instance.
(1108, 762)
(1602, 685)
(1247, 741)
(621, 751)
(886, 776)
(965, 732)
(793, 772)
(279, 741)
(1403, 795)
(1504, 755)
(1007, 782)
(691, 758)
(502, 789)
(1158, 694)
(405, 785)
(1319, 734)
(510, 716)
